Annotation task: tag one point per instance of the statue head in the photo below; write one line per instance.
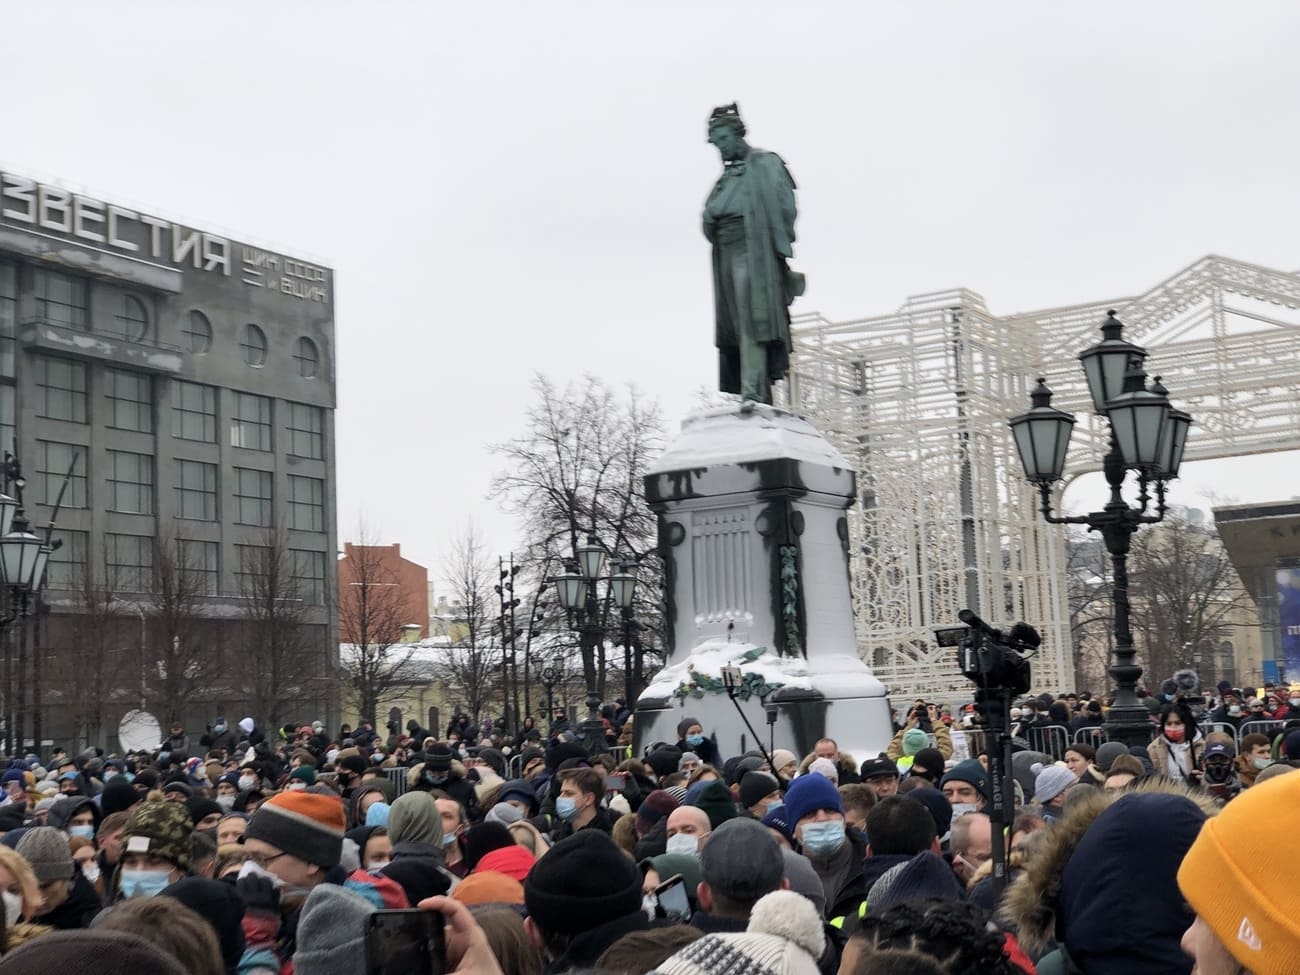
(727, 131)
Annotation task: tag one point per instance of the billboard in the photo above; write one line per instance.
(1288, 613)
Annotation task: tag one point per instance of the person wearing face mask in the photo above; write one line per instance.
(966, 786)
(692, 739)
(21, 893)
(816, 816)
(76, 816)
(1256, 755)
(68, 899)
(440, 770)
(688, 827)
(760, 794)
(156, 849)
(1177, 751)
(578, 803)
(219, 737)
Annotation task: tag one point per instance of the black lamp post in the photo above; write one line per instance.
(581, 601)
(23, 557)
(1147, 436)
(551, 676)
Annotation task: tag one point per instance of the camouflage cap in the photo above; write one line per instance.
(161, 828)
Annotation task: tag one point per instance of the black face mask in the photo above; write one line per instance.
(1217, 771)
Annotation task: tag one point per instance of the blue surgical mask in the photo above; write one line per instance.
(695, 741)
(774, 806)
(448, 839)
(566, 808)
(85, 832)
(145, 883)
(822, 839)
(1261, 763)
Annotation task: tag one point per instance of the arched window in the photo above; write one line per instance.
(131, 320)
(197, 331)
(308, 358)
(254, 346)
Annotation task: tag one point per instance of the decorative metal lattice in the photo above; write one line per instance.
(919, 401)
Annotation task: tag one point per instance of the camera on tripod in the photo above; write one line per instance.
(989, 657)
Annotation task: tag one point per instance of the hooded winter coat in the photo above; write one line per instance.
(1103, 885)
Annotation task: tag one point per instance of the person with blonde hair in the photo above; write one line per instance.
(22, 897)
(530, 838)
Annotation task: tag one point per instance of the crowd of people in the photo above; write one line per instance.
(250, 853)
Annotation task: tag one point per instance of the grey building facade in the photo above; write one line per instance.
(193, 376)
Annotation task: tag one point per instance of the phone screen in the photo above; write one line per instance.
(672, 897)
(406, 942)
(613, 783)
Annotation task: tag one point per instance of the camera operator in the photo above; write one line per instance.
(922, 722)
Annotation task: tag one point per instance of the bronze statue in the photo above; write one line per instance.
(749, 219)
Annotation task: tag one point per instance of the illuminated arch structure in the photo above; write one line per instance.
(919, 401)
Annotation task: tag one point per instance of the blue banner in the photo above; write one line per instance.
(1288, 613)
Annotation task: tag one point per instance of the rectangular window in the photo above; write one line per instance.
(253, 497)
(60, 389)
(309, 574)
(66, 568)
(194, 412)
(197, 561)
(306, 431)
(306, 504)
(130, 482)
(60, 299)
(8, 318)
(129, 559)
(52, 463)
(250, 422)
(249, 566)
(196, 490)
(8, 430)
(130, 400)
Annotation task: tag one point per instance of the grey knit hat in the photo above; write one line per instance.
(46, 849)
(332, 932)
(1050, 781)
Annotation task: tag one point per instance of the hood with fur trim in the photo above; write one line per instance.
(1140, 846)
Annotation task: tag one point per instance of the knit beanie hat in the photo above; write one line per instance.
(118, 796)
(513, 861)
(504, 813)
(489, 887)
(246, 725)
(1254, 912)
(1108, 752)
(809, 793)
(663, 761)
(493, 759)
(331, 931)
(803, 879)
(1051, 780)
(740, 861)
(781, 758)
(221, 906)
(303, 773)
(12, 816)
(685, 724)
(784, 937)
(755, 786)
(914, 739)
(939, 806)
(715, 799)
(583, 882)
(161, 828)
(104, 952)
(303, 824)
(484, 838)
(688, 758)
(46, 849)
(779, 820)
(972, 773)
(826, 768)
(521, 790)
(931, 761)
(924, 876)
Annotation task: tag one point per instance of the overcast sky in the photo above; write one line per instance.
(508, 188)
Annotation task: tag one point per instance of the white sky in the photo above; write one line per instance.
(513, 187)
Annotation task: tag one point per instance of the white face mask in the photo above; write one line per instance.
(961, 808)
(90, 871)
(247, 782)
(683, 843)
(226, 803)
(13, 908)
(374, 866)
(251, 869)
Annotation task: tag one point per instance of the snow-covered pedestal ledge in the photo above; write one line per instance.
(752, 529)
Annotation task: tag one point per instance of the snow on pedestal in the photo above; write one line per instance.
(751, 502)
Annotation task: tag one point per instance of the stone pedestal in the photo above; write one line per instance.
(753, 533)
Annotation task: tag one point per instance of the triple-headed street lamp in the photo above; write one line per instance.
(1147, 436)
(580, 599)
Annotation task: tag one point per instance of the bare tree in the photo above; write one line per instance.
(1088, 593)
(87, 650)
(577, 470)
(1185, 596)
(281, 656)
(371, 615)
(472, 664)
(182, 646)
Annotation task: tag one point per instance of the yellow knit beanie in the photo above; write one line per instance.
(1252, 908)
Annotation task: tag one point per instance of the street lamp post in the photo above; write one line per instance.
(1147, 436)
(578, 594)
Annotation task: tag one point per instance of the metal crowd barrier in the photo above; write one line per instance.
(1091, 736)
(1270, 727)
(1226, 727)
(397, 776)
(1053, 739)
(515, 766)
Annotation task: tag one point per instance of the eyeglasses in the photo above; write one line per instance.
(263, 860)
